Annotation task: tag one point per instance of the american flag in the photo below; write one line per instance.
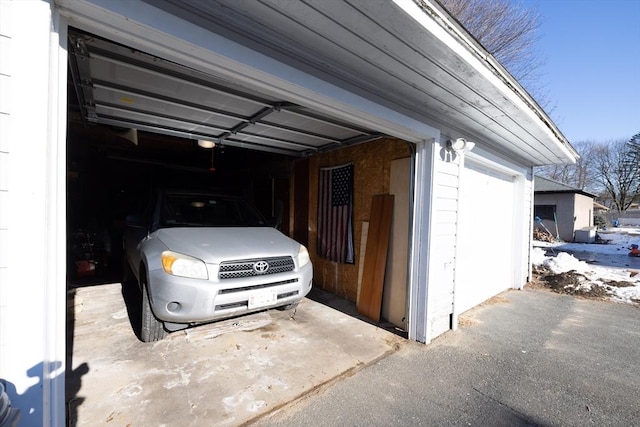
(335, 209)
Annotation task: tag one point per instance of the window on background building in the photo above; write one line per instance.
(545, 211)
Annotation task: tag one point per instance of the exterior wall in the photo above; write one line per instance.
(372, 163)
(438, 234)
(626, 220)
(567, 210)
(5, 122)
(527, 232)
(574, 211)
(583, 211)
(630, 217)
(420, 255)
(515, 209)
(442, 257)
(32, 213)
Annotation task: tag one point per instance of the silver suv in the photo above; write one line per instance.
(200, 257)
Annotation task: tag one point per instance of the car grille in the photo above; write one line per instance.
(245, 268)
(255, 287)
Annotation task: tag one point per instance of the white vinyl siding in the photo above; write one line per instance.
(480, 214)
(33, 79)
(527, 230)
(443, 253)
(5, 125)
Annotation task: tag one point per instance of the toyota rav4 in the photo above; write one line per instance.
(199, 257)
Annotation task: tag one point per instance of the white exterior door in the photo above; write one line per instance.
(486, 240)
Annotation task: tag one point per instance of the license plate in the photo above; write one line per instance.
(262, 299)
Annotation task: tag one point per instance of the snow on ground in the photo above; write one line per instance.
(621, 284)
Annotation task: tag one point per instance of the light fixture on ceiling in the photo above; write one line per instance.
(460, 146)
(205, 143)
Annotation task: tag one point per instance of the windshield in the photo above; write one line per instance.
(202, 210)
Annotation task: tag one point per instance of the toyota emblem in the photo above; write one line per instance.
(261, 267)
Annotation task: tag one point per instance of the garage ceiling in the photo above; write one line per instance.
(123, 87)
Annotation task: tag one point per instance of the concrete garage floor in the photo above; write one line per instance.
(223, 374)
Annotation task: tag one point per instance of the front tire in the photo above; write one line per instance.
(151, 329)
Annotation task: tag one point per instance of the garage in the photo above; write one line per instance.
(259, 97)
(227, 90)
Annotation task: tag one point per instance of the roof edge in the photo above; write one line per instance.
(449, 23)
(562, 188)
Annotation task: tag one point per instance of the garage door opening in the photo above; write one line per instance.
(137, 121)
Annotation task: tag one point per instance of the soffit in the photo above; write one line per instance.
(376, 49)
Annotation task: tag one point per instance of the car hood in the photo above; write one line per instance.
(214, 245)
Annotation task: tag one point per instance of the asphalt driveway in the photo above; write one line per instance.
(528, 357)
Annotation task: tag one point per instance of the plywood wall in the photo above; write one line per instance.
(372, 165)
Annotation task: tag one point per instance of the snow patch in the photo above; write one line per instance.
(620, 284)
(564, 262)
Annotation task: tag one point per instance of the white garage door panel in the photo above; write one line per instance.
(486, 235)
(125, 87)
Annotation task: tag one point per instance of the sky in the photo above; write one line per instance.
(592, 69)
(607, 261)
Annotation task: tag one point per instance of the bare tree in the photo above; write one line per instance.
(617, 172)
(581, 174)
(509, 31)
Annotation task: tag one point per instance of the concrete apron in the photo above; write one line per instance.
(222, 374)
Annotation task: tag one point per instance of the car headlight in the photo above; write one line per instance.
(183, 265)
(303, 256)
